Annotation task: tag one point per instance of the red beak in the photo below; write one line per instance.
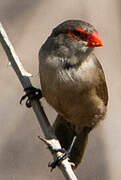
(94, 40)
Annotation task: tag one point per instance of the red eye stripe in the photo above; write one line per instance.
(81, 30)
(78, 34)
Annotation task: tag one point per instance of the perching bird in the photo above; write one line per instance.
(73, 83)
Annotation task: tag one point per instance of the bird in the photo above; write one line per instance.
(73, 83)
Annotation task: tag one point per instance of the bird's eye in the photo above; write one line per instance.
(76, 33)
(80, 35)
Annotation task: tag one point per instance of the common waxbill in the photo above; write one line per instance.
(73, 83)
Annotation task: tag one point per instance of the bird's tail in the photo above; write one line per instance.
(65, 132)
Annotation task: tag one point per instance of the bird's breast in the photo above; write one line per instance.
(71, 92)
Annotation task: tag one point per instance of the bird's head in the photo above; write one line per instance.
(78, 34)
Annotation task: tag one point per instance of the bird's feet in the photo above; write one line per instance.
(31, 93)
(59, 159)
(66, 154)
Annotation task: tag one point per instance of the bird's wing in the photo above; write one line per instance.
(101, 88)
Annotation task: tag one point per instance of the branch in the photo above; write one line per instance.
(24, 78)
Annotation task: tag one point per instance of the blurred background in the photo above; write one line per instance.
(28, 23)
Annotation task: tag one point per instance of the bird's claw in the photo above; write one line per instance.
(59, 159)
(66, 154)
(31, 93)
